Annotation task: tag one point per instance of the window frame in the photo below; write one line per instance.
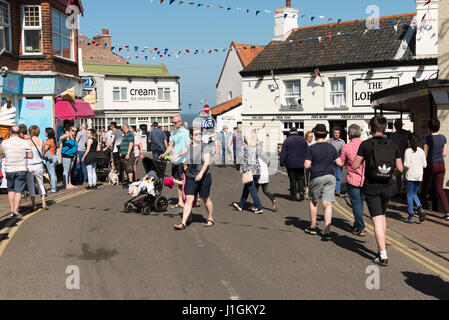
(332, 93)
(164, 91)
(292, 96)
(70, 37)
(120, 89)
(24, 28)
(7, 26)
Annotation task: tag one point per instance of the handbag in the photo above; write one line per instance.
(247, 177)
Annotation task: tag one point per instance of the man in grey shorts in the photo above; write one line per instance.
(321, 158)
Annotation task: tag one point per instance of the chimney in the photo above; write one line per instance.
(103, 40)
(426, 28)
(285, 20)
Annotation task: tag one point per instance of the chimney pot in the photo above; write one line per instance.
(289, 3)
(107, 31)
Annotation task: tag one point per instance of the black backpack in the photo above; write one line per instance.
(382, 161)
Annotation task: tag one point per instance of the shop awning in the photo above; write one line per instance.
(66, 110)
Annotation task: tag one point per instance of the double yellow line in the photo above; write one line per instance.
(10, 231)
(419, 258)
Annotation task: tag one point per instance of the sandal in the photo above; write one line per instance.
(207, 225)
(176, 206)
(180, 226)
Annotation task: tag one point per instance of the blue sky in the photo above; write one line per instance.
(145, 24)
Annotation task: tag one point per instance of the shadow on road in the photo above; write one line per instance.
(428, 284)
(94, 255)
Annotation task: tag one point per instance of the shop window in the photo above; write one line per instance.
(62, 36)
(31, 29)
(293, 93)
(119, 94)
(163, 94)
(5, 26)
(338, 93)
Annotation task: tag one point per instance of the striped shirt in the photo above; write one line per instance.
(124, 146)
(15, 150)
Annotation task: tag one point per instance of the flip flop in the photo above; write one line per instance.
(176, 206)
(180, 226)
(207, 225)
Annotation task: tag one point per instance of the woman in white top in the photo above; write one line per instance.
(36, 168)
(263, 181)
(414, 164)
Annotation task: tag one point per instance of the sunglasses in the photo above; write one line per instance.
(196, 134)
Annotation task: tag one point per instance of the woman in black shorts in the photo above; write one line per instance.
(198, 177)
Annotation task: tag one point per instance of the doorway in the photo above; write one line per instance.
(342, 125)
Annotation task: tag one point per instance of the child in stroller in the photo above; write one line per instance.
(147, 193)
(103, 166)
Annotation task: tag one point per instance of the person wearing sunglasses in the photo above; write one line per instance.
(178, 142)
(69, 149)
(198, 178)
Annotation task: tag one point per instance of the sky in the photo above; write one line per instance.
(149, 24)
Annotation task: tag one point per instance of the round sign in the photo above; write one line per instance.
(206, 108)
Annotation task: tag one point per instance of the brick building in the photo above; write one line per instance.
(39, 46)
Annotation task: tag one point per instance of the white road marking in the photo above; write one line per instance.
(232, 292)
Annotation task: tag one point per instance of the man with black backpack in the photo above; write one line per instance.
(382, 157)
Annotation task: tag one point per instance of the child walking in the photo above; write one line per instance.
(414, 164)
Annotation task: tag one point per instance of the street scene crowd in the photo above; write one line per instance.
(314, 165)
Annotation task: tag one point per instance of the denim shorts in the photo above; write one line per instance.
(17, 181)
(323, 188)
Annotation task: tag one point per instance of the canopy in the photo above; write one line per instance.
(66, 110)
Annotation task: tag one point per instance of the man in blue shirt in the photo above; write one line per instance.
(158, 140)
(178, 142)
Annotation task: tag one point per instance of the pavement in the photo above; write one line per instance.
(244, 256)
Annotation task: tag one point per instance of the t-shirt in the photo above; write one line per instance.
(365, 151)
(15, 150)
(81, 138)
(118, 137)
(414, 164)
(322, 155)
(124, 146)
(157, 138)
(51, 143)
(195, 158)
(180, 138)
(436, 145)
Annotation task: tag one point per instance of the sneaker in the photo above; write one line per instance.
(422, 214)
(301, 197)
(310, 230)
(275, 205)
(359, 233)
(258, 211)
(236, 205)
(409, 219)
(16, 215)
(253, 208)
(326, 237)
(88, 188)
(380, 261)
(446, 217)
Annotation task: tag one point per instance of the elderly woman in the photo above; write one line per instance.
(36, 168)
(251, 152)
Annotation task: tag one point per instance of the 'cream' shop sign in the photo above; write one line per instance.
(363, 89)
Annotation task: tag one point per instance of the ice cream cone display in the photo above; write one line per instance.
(7, 117)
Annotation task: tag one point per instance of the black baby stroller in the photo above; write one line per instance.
(103, 166)
(144, 202)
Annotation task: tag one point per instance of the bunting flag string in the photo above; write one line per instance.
(312, 18)
(148, 52)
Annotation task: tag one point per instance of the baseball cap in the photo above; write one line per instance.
(293, 129)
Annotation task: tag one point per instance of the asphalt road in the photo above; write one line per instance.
(244, 256)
